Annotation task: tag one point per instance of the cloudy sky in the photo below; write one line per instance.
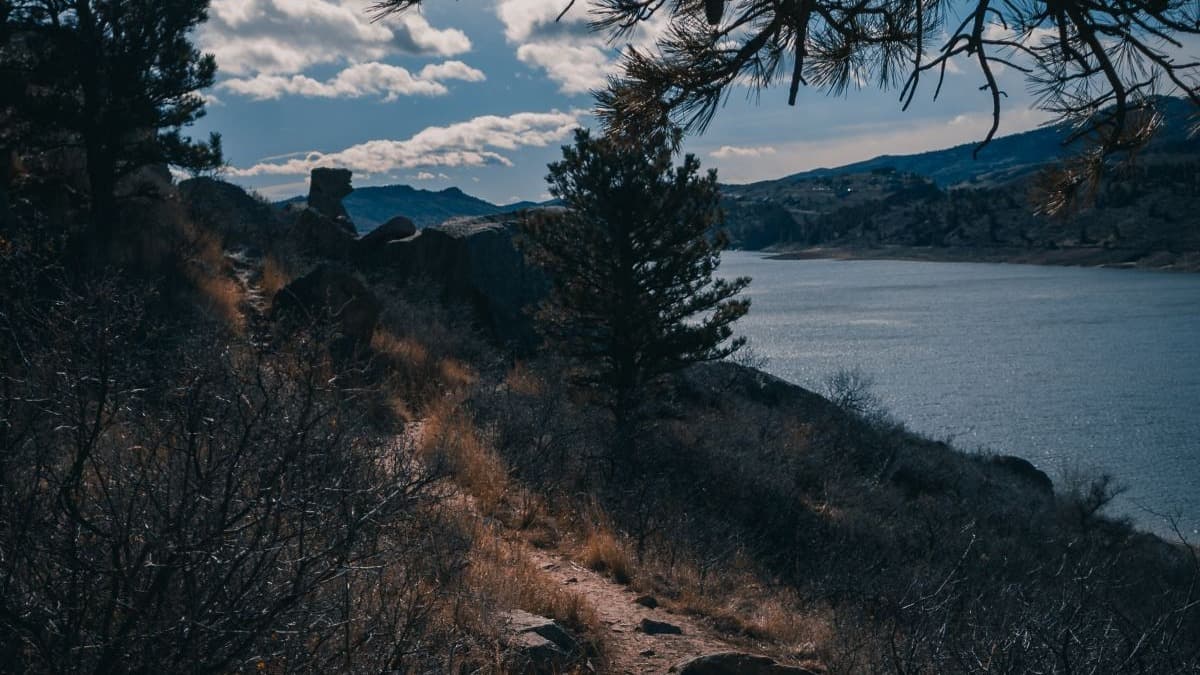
(481, 95)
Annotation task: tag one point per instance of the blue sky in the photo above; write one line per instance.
(482, 95)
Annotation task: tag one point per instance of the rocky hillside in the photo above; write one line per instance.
(949, 207)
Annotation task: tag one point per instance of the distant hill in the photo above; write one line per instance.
(981, 209)
(1004, 159)
(370, 207)
(937, 200)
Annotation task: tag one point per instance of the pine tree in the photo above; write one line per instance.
(632, 260)
(118, 80)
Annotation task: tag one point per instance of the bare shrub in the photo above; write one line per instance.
(168, 501)
(852, 390)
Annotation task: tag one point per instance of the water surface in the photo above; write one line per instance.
(1067, 367)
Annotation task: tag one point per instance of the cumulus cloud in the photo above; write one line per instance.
(570, 54)
(577, 69)
(475, 142)
(428, 175)
(740, 151)
(356, 81)
(283, 37)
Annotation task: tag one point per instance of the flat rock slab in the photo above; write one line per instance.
(652, 627)
(647, 601)
(735, 663)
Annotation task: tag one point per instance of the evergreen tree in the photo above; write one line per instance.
(117, 80)
(632, 262)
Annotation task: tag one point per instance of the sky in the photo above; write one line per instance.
(482, 95)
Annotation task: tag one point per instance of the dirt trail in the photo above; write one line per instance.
(629, 651)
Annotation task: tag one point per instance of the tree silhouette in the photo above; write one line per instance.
(632, 261)
(116, 80)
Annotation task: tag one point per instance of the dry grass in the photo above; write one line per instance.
(223, 297)
(602, 551)
(456, 375)
(449, 438)
(275, 276)
(204, 259)
(499, 571)
(520, 380)
(418, 377)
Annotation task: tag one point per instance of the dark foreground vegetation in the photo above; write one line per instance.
(194, 478)
(239, 438)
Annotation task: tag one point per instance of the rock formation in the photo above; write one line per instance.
(225, 209)
(474, 261)
(735, 663)
(327, 188)
(537, 644)
(329, 295)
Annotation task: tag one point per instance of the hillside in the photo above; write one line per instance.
(941, 205)
(282, 396)
(1004, 159)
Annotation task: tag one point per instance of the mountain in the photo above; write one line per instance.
(952, 207)
(370, 207)
(1004, 159)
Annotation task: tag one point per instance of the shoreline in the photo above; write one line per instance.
(1159, 261)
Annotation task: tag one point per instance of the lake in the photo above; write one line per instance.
(1070, 368)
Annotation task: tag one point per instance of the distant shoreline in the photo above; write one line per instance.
(1161, 261)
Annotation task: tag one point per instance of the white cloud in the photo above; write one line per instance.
(451, 70)
(428, 175)
(288, 36)
(742, 151)
(475, 142)
(356, 81)
(567, 50)
(577, 69)
(210, 99)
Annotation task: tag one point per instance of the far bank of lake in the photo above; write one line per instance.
(1072, 257)
(1068, 367)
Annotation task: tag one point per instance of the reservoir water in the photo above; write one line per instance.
(1070, 368)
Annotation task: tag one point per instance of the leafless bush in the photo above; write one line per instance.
(174, 497)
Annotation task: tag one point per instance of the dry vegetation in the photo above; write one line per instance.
(399, 497)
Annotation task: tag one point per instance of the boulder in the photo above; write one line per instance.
(473, 261)
(647, 601)
(735, 663)
(652, 627)
(371, 249)
(1027, 472)
(537, 644)
(398, 227)
(318, 235)
(326, 189)
(330, 295)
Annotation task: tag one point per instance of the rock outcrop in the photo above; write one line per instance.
(327, 188)
(536, 644)
(371, 249)
(652, 627)
(329, 295)
(476, 262)
(1026, 471)
(735, 663)
(227, 210)
(318, 235)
